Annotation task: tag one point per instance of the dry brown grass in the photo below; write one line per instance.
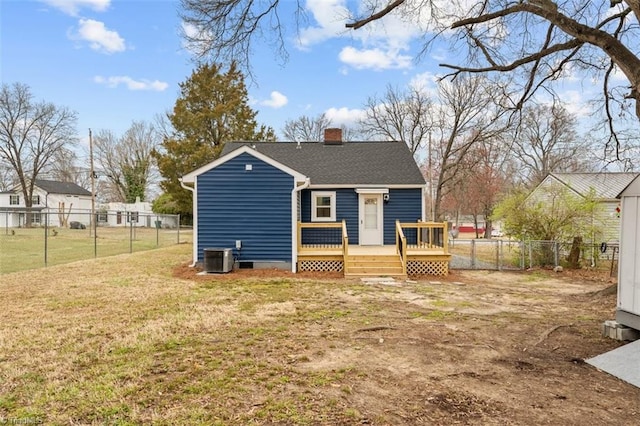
(139, 339)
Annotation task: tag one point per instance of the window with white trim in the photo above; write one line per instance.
(323, 206)
(35, 200)
(102, 216)
(14, 200)
(35, 218)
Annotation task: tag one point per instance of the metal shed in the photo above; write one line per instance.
(628, 309)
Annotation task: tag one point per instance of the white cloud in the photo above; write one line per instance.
(574, 101)
(72, 7)
(202, 37)
(426, 82)
(618, 75)
(330, 16)
(277, 100)
(344, 116)
(99, 37)
(143, 84)
(376, 59)
(381, 41)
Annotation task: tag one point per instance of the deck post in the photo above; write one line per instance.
(445, 237)
(345, 247)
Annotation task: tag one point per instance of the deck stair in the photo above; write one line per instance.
(374, 265)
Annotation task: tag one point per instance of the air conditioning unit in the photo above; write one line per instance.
(218, 260)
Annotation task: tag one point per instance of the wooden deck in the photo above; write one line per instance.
(425, 254)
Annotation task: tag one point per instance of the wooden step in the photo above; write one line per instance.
(388, 263)
(372, 265)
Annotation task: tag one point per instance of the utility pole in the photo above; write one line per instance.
(93, 185)
(431, 200)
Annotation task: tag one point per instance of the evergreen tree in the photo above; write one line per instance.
(212, 109)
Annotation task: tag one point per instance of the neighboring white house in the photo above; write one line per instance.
(133, 214)
(628, 310)
(49, 196)
(125, 214)
(606, 186)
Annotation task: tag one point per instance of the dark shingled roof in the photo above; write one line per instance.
(56, 187)
(351, 163)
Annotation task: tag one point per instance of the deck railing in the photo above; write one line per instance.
(426, 236)
(318, 236)
(401, 246)
(345, 247)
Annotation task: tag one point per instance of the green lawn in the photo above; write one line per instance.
(24, 248)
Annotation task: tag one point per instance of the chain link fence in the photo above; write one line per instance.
(499, 255)
(57, 237)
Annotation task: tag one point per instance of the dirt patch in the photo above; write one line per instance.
(474, 347)
(185, 271)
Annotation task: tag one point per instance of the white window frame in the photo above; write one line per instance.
(35, 200)
(14, 200)
(102, 216)
(132, 217)
(314, 206)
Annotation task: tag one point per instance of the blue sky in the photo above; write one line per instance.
(115, 61)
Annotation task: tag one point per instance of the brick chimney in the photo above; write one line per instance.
(333, 136)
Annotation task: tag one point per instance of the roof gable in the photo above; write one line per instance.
(631, 190)
(606, 185)
(246, 149)
(349, 163)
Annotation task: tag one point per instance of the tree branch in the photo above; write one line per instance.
(374, 17)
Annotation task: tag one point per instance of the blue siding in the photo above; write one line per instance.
(251, 206)
(404, 205)
(346, 209)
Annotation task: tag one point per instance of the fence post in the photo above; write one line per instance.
(473, 254)
(556, 259)
(498, 257)
(94, 222)
(530, 255)
(178, 228)
(130, 236)
(46, 237)
(157, 224)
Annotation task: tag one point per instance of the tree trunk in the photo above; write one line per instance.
(574, 254)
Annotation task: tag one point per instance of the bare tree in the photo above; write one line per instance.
(65, 168)
(547, 141)
(7, 176)
(539, 40)
(487, 172)
(400, 116)
(311, 129)
(469, 112)
(127, 162)
(306, 129)
(31, 133)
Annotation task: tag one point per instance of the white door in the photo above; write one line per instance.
(371, 226)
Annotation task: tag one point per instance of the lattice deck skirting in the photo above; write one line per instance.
(320, 265)
(428, 267)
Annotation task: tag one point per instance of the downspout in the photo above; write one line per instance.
(423, 192)
(294, 222)
(195, 220)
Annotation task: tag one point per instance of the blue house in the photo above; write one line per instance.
(277, 204)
